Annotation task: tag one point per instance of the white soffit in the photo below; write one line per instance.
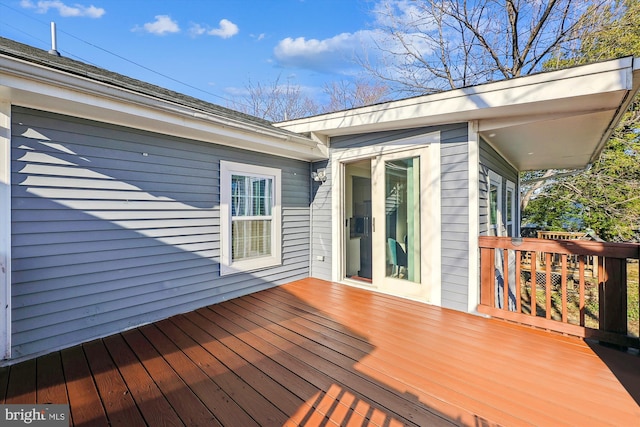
(567, 142)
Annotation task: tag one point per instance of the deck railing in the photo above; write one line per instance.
(575, 287)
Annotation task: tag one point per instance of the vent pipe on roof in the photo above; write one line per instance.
(54, 41)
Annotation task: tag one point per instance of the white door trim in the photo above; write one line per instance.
(5, 229)
(338, 160)
(511, 225)
(495, 180)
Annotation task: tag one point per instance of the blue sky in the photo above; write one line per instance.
(213, 45)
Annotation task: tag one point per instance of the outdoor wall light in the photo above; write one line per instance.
(320, 175)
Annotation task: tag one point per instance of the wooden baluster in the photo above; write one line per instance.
(487, 277)
(565, 311)
(547, 261)
(518, 290)
(505, 279)
(581, 267)
(600, 290)
(534, 284)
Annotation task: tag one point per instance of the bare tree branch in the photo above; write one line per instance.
(435, 45)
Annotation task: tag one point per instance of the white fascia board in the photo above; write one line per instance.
(633, 76)
(510, 97)
(34, 86)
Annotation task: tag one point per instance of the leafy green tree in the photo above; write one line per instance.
(605, 197)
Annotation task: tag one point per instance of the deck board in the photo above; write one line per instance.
(316, 353)
(216, 400)
(22, 384)
(117, 400)
(153, 406)
(84, 399)
(50, 380)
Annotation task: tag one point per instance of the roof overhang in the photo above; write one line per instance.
(557, 119)
(35, 86)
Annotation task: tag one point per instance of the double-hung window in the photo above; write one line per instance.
(250, 217)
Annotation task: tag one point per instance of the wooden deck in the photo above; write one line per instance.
(316, 353)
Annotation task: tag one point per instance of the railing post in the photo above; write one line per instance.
(613, 296)
(487, 276)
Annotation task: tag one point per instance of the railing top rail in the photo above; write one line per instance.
(569, 247)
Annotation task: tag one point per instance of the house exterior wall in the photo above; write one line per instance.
(490, 159)
(113, 228)
(454, 207)
(321, 236)
(454, 172)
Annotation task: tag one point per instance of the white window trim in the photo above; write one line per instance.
(227, 266)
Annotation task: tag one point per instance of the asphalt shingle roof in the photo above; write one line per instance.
(41, 57)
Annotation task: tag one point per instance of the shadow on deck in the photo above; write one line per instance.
(318, 353)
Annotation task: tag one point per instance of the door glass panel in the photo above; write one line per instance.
(402, 218)
(358, 234)
(510, 207)
(493, 206)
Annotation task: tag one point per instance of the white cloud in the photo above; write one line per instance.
(197, 30)
(389, 13)
(342, 52)
(225, 30)
(334, 54)
(77, 10)
(161, 26)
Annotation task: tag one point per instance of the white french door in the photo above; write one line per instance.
(387, 217)
(399, 222)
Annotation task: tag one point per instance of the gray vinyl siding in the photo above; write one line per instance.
(454, 186)
(113, 228)
(490, 159)
(321, 234)
(454, 206)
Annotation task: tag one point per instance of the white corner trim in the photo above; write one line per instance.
(337, 217)
(433, 227)
(5, 229)
(474, 217)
